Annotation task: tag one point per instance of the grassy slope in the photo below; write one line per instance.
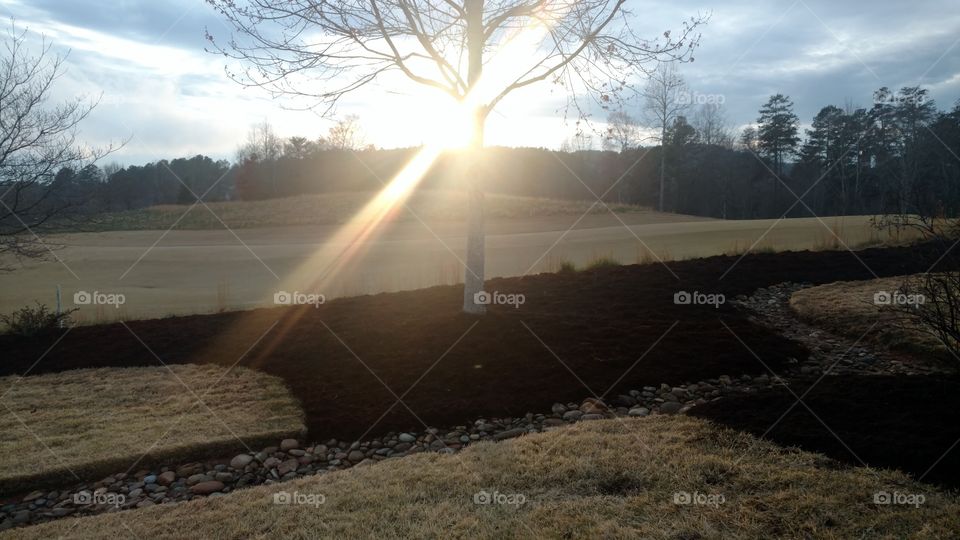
(604, 479)
(335, 208)
(92, 422)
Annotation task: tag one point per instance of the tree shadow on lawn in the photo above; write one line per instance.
(911, 423)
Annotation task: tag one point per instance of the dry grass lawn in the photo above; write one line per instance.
(336, 208)
(93, 422)
(603, 479)
(847, 308)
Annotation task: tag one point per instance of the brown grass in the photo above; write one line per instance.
(603, 479)
(847, 308)
(337, 208)
(88, 423)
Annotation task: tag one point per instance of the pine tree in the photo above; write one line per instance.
(777, 133)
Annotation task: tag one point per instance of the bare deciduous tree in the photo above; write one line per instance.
(324, 50)
(37, 141)
(711, 124)
(623, 132)
(346, 134)
(666, 97)
(262, 144)
(580, 141)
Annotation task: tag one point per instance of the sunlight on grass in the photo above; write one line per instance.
(100, 421)
(338, 208)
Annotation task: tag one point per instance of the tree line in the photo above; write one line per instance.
(894, 156)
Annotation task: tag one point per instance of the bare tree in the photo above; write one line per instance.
(262, 144)
(711, 124)
(345, 134)
(37, 141)
(666, 97)
(324, 50)
(580, 141)
(623, 132)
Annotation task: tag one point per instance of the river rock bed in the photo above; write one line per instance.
(292, 459)
(829, 353)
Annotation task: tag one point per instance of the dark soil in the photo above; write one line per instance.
(596, 328)
(894, 422)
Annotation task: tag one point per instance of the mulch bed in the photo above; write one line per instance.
(903, 422)
(338, 357)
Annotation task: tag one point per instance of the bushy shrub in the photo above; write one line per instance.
(33, 321)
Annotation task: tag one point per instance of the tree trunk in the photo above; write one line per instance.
(663, 162)
(473, 273)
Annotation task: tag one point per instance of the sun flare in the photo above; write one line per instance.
(450, 126)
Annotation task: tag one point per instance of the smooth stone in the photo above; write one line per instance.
(206, 488)
(197, 479)
(167, 478)
(287, 466)
(190, 470)
(240, 461)
(509, 434)
(289, 444)
(639, 411)
(670, 407)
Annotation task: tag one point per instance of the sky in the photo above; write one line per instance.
(167, 97)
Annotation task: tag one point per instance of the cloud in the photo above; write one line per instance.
(147, 60)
